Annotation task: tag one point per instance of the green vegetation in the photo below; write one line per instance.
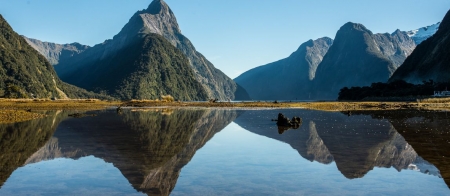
(397, 88)
(24, 73)
(147, 68)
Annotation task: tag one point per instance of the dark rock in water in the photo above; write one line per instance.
(80, 115)
(285, 124)
(119, 110)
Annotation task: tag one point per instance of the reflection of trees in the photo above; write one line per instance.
(18, 141)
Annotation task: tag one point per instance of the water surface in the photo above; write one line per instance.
(226, 152)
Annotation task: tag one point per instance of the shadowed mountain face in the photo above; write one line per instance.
(430, 60)
(326, 137)
(359, 58)
(289, 78)
(19, 141)
(158, 19)
(149, 147)
(24, 73)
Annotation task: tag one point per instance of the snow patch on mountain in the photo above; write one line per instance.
(420, 35)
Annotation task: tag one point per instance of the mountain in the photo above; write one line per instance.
(146, 68)
(358, 58)
(430, 60)
(289, 78)
(56, 52)
(158, 19)
(421, 34)
(24, 73)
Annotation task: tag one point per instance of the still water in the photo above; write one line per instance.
(226, 152)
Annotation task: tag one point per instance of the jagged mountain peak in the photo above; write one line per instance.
(157, 6)
(354, 26)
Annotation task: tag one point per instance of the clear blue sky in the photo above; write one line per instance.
(235, 35)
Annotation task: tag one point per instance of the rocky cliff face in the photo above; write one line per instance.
(358, 58)
(56, 52)
(289, 78)
(24, 73)
(430, 60)
(157, 19)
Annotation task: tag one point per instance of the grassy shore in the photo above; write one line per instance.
(17, 110)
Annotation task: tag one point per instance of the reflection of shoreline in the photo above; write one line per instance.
(357, 144)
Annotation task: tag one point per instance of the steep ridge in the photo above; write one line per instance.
(430, 60)
(358, 58)
(24, 73)
(159, 19)
(55, 53)
(289, 78)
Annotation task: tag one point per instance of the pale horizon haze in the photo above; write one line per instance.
(235, 35)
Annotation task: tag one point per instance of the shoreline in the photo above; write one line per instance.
(19, 110)
(93, 104)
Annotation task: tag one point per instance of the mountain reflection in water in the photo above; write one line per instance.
(151, 146)
(356, 144)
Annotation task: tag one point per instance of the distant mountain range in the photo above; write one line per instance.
(98, 68)
(56, 52)
(421, 34)
(320, 68)
(430, 60)
(24, 73)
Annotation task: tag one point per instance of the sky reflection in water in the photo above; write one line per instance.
(202, 152)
